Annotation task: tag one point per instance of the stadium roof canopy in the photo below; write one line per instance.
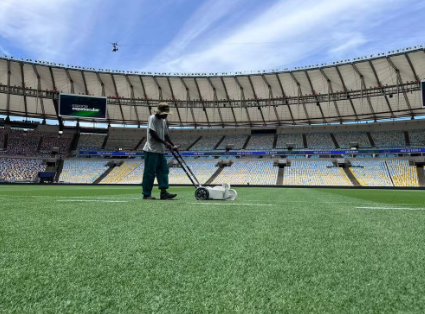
(372, 89)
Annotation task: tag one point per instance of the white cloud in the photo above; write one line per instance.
(349, 41)
(3, 50)
(290, 31)
(45, 29)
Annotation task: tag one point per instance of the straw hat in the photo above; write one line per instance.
(163, 108)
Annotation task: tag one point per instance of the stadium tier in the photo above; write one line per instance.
(2, 135)
(319, 141)
(126, 139)
(22, 143)
(131, 172)
(82, 171)
(91, 142)
(388, 139)
(251, 172)
(402, 174)
(260, 142)
(203, 170)
(284, 139)
(20, 169)
(417, 138)
(345, 138)
(314, 173)
(184, 142)
(371, 173)
(206, 143)
(237, 140)
(50, 140)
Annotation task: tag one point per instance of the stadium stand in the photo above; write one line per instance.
(319, 141)
(203, 170)
(417, 137)
(237, 140)
(251, 172)
(402, 173)
(296, 156)
(260, 142)
(91, 142)
(345, 138)
(20, 169)
(184, 141)
(127, 139)
(22, 143)
(82, 171)
(371, 172)
(295, 138)
(2, 134)
(142, 145)
(206, 143)
(131, 172)
(51, 140)
(389, 139)
(314, 173)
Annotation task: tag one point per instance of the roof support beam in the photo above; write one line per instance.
(215, 102)
(330, 91)
(187, 102)
(53, 80)
(101, 84)
(227, 97)
(39, 91)
(243, 100)
(85, 84)
(9, 73)
(56, 89)
(117, 95)
(103, 94)
(400, 82)
(256, 100)
(381, 89)
(132, 102)
(345, 89)
(270, 99)
(363, 88)
(284, 95)
(159, 88)
(71, 81)
(203, 105)
(144, 94)
(317, 101)
(412, 67)
(175, 103)
(300, 94)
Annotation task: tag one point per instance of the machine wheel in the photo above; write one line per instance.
(201, 194)
(232, 195)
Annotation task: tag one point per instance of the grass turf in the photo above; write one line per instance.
(74, 249)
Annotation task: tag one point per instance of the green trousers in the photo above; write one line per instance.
(155, 165)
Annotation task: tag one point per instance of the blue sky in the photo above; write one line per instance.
(206, 35)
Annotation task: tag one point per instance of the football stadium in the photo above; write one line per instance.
(327, 160)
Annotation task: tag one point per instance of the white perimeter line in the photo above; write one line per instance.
(99, 201)
(399, 208)
(230, 204)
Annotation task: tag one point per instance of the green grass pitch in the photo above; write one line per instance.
(102, 249)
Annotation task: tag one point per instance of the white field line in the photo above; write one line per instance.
(392, 208)
(97, 201)
(230, 204)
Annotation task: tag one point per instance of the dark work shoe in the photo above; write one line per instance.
(167, 196)
(148, 197)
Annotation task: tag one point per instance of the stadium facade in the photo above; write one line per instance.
(378, 88)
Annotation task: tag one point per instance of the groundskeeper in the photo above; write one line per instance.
(154, 151)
